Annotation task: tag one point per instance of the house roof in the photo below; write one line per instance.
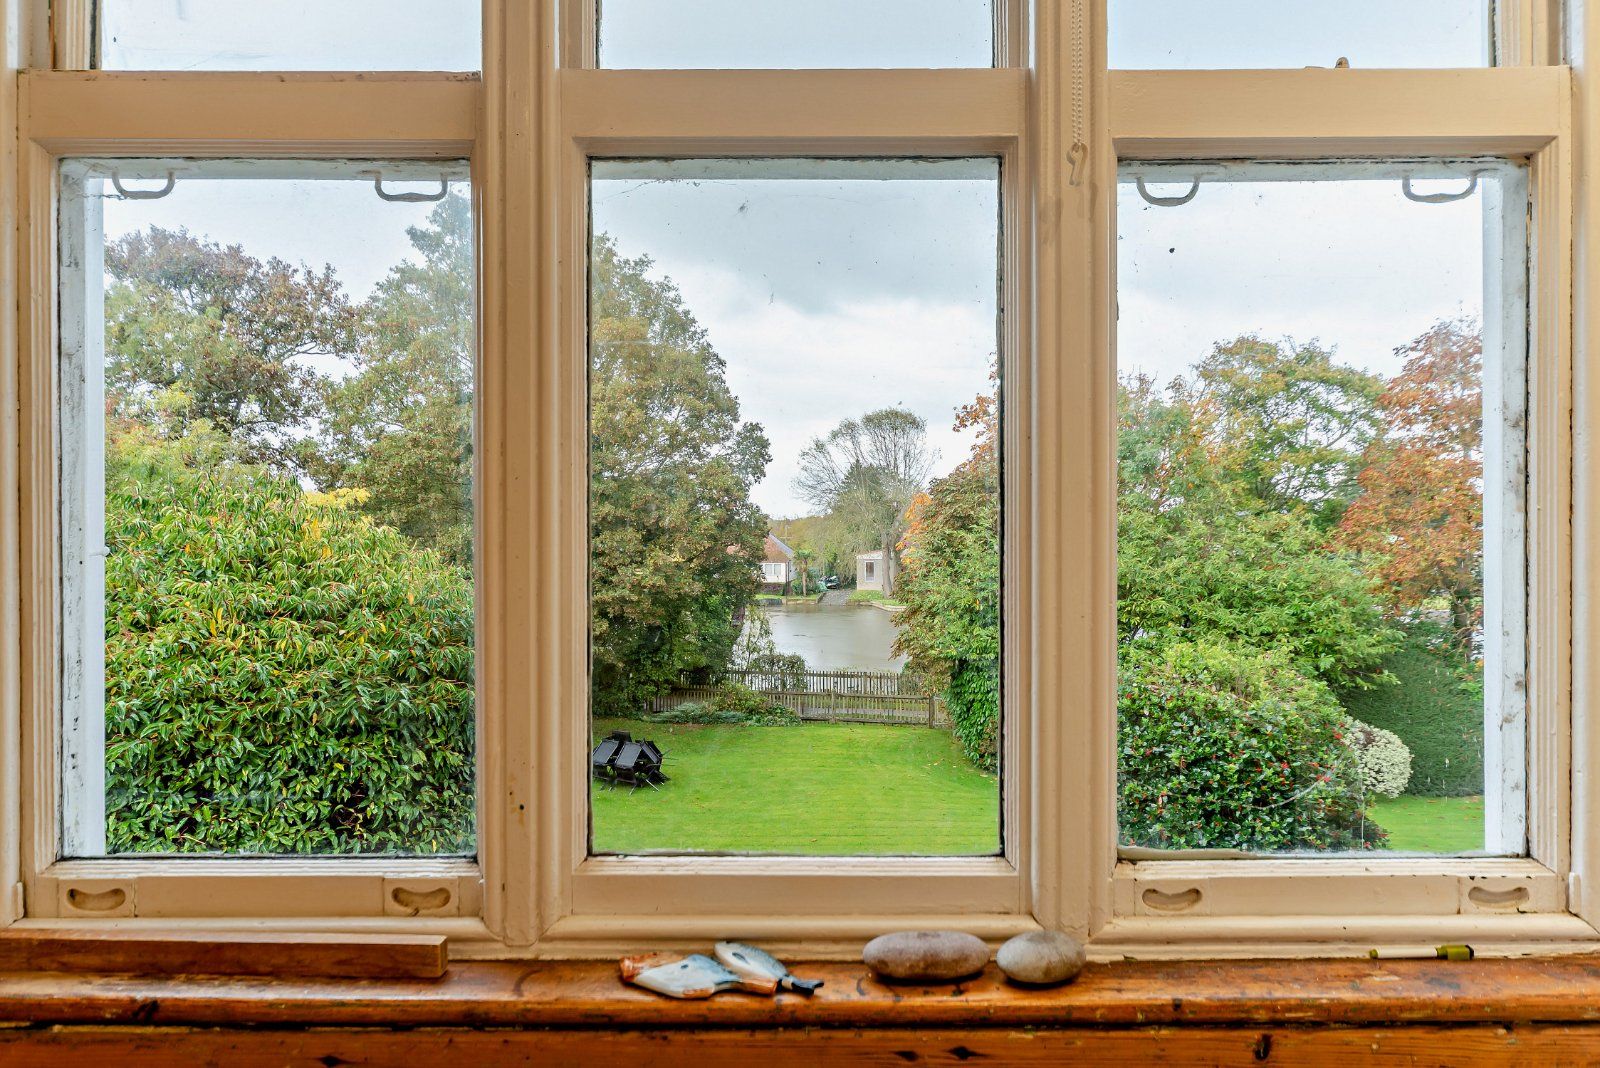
(876, 554)
(781, 544)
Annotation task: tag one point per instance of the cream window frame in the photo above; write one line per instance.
(528, 126)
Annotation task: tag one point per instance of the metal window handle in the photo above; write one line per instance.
(1439, 198)
(1166, 202)
(143, 194)
(411, 198)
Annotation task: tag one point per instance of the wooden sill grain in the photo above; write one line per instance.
(304, 955)
(588, 996)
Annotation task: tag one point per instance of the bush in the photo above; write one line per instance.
(281, 676)
(1384, 760)
(1225, 747)
(1435, 705)
(974, 700)
(733, 703)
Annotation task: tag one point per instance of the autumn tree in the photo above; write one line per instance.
(674, 537)
(399, 427)
(198, 331)
(865, 473)
(1419, 518)
(1286, 421)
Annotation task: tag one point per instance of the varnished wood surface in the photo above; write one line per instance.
(304, 956)
(589, 995)
(1421, 1047)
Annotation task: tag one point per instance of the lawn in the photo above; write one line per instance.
(812, 789)
(862, 789)
(1431, 824)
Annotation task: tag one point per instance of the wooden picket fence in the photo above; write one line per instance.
(830, 696)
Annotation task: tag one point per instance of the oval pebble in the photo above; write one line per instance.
(926, 956)
(1041, 958)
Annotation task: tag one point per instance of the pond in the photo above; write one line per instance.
(847, 637)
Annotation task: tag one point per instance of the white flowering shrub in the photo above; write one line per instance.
(1384, 760)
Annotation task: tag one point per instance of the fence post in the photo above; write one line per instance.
(931, 706)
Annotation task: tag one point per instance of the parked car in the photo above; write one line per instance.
(831, 582)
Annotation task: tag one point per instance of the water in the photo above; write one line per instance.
(836, 637)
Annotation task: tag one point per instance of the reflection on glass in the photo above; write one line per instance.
(1245, 34)
(777, 34)
(794, 507)
(290, 35)
(269, 431)
(1320, 401)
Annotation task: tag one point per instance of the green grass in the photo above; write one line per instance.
(871, 597)
(814, 789)
(1431, 824)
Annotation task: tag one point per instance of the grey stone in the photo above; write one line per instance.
(1041, 958)
(926, 956)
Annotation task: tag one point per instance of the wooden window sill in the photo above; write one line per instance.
(589, 995)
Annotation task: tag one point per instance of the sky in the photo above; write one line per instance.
(444, 34)
(829, 296)
(341, 223)
(832, 295)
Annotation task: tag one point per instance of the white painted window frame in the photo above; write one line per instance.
(529, 126)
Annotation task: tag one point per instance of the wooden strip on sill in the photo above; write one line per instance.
(589, 995)
(1275, 1047)
(225, 953)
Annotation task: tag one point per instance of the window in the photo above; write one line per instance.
(1322, 483)
(182, 35)
(1178, 35)
(776, 34)
(816, 222)
(795, 356)
(273, 650)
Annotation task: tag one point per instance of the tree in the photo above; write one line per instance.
(201, 332)
(1286, 422)
(950, 630)
(400, 427)
(803, 558)
(675, 540)
(1419, 518)
(865, 474)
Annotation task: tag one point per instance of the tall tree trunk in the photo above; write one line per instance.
(889, 576)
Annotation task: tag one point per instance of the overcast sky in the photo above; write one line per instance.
(829, 296)
(444, 34)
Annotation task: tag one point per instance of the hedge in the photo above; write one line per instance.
(1435, 705)
(282, 676)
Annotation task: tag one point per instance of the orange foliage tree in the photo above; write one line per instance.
(1419, 517)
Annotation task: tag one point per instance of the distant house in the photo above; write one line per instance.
(870, 572)
(777, 565)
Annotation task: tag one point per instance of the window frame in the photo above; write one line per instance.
(529, 126)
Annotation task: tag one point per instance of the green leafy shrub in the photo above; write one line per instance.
(1225, 747)
(1435, 704)
(732, 703)
(974, 701)
(281, 676)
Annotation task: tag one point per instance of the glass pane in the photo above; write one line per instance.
(290, 35)
(795, 507)
(780, 34)
(266, 471)
(1243, 34)
(1321, 550)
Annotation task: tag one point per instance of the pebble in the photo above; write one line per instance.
(1041, 958)
(926, 956)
